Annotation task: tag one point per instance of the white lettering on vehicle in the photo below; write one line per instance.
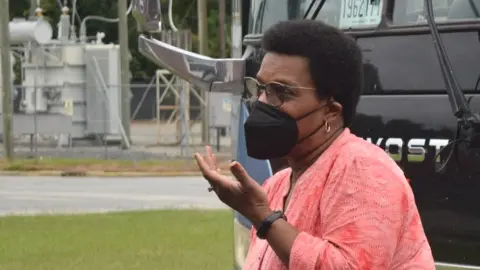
(417, 148)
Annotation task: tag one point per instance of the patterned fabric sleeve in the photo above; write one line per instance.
(363, 208)
(271, 186)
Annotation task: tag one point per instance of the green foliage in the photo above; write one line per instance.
(184, 17)
(18, 8)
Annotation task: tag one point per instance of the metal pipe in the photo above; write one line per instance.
(22, 31)
(170, 16)
(83, 24)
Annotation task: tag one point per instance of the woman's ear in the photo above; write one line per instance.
(334, 111)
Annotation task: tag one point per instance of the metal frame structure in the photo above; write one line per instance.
(181, 89)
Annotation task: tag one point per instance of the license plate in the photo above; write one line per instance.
(360, 13)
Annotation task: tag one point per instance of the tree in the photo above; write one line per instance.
(184, 16)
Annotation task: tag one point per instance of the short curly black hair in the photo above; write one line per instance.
(335, 60)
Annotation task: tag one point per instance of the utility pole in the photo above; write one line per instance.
(124, 69)
(33, 7)
(7, 104)
(203, 26)
(203, 40)
(221, 27)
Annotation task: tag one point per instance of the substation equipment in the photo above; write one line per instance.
(70, 87)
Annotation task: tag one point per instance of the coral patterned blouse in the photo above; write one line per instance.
(354, 210)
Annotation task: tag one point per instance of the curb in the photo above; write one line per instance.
(98, 174)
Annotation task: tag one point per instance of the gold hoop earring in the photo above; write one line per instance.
(327, 125)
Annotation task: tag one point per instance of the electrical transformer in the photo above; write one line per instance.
(68, 86)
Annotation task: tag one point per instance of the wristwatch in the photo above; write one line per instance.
(267, 223)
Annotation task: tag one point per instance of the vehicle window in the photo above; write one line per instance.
(355, 14)
(265, 13)
(344, 14)
(412, 12)
(399, 64)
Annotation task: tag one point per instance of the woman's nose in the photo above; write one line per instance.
(263, 97)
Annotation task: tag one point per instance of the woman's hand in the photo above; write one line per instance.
(244, 195)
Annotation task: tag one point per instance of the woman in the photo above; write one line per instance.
(343, 203)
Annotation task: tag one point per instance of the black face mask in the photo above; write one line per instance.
(271, 133)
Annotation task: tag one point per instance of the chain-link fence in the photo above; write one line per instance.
(69, 106)
(68, 128)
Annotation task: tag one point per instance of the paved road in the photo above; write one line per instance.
(33, 195)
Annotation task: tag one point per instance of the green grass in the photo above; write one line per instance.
(88, 165)
(37, 164)
(166, 240)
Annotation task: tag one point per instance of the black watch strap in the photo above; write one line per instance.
(267, 223)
